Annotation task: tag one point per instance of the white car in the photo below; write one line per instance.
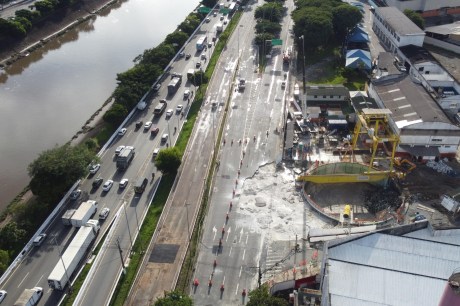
(119, 149)
(169, 113)
(39, 240)
(122, 132)
(3, 294)
(94, 168)
(147, 125)
(107, 185)
(186, 93)
(164, 138)
(179, 108)
(208, 19)
(155, 153)
(104, 213)
(124, 183)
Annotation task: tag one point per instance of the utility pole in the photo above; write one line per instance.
(121, 255)
(129, 231)
(304, 106)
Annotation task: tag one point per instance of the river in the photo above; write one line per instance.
(47, 97)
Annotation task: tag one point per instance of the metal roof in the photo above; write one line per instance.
(398, 21)
(381, 269)
(327, 90)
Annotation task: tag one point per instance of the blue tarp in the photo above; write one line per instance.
(358, 36)
(359, 59)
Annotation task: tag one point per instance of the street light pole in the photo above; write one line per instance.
(127, 223)
(188, 224)
(303, 62)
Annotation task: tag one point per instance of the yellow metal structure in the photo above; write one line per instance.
(372, 127)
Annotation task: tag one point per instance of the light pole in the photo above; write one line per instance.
(169, 133)
(239, 39)
(188, 224)
(127, 223)
(303, 80)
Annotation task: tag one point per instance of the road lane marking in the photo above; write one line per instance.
(228, 233)
(241, 235)
(23, 279)
(230, 253)
(247, 237)
(236, 291)
(223, 282)
(36, 284)
(241, 270)
(244, 253)
(214, 229)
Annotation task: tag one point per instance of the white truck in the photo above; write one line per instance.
(83, 213)
(67, 215)
(219, 27)
(29, 297)
(72, 256)
(141, 105)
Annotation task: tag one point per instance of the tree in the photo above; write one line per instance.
(176, 37)
(11, 236)
(116, 114)
(345, 17)
(270, 11)
(4, 261)
(11, 29)
(28, 14)
(261, 296)
(265, 26)
(168, 160)
(314, 24)
(44, 7)
(57, 169)
(209, 3)
(174, 298)
(415, 18)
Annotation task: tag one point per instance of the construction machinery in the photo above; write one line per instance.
(404, 165)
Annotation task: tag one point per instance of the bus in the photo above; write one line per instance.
(201, 43)
(232, 8)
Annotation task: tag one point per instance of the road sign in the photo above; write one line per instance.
(277, 42)
(204, 10)
(224, 11)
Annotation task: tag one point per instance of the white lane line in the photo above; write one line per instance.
(236, 291)
(36, 285)
(223, 282)
(214, 229)
(247, 237)
(23, 279)
(244, 253)
(230, 253)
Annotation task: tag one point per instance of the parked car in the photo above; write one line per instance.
(39, 239)
(97, 182)
(107, 185)
(122, 132)
(94, 168)
(119, 149)
(123, 183)
(75, 194)
(104, 213)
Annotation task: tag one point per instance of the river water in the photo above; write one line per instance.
(47, 97)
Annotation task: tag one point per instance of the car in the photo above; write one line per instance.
(203, 56)
(122, 132)
(176, 75)
(39, 239)
(3, 294)
(208, 20)
(123, 183)
(97, 182)
(188, 56)
(104, 213)
(154, 131)
(107, 185)
(419, 218)
(94, 168)
(186, 94)
(156, 87)
(209, 44)
(179, 108)
(155, 153)
(164, 138)
(283, 84)
(139, 124)
(169, 113)
(147, 125)
(225, 21)
(75, 194)
(163, 101)
(214, 14)
(198, 65)
(181, 54)
(119, 149)
(221, 18)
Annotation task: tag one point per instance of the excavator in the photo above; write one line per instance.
(404, 165)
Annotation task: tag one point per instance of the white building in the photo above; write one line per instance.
(427, 7)
(395, 30)
(327, 96)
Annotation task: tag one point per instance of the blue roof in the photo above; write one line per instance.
(358, 36)
(358, 58)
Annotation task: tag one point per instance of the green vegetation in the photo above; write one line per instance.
(333, 72)
(168, 160)
(415, 18)
(174, 298)
(262, 296)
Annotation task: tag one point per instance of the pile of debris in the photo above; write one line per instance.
(441, 167)
(378, 200)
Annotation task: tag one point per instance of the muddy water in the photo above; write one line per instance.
(46, 97)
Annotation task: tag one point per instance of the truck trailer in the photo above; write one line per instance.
(29, 297)
(67, 215)
(125, 158)
(83, 213)
(174, 85)
(72, 256)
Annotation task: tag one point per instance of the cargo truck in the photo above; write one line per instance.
(83, 213)
(174, 85)
(67, 215)
(29, 297)
(190, 74)
(160, 108)
(73, 255)
(125, 158)
(219, 27)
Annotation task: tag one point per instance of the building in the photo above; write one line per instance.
(395, 30)
(424, 129)
(411, 265)
(327, 96)
(446, 36)
(427, 8)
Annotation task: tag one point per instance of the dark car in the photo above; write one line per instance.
(139, 124)
(97, 182)
(154, 131)
(187, 56)
(156, 87)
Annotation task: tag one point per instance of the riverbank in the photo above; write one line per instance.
(39, 36)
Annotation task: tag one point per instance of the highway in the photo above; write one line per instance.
(256, 111)
(38, 263)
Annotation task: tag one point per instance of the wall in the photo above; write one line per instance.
(442, 44)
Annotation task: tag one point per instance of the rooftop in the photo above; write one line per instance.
(383, 269)
(326, 90)
(417, 54)
(409, 102)
(398, 21)
(385, 62)
(444, 29)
